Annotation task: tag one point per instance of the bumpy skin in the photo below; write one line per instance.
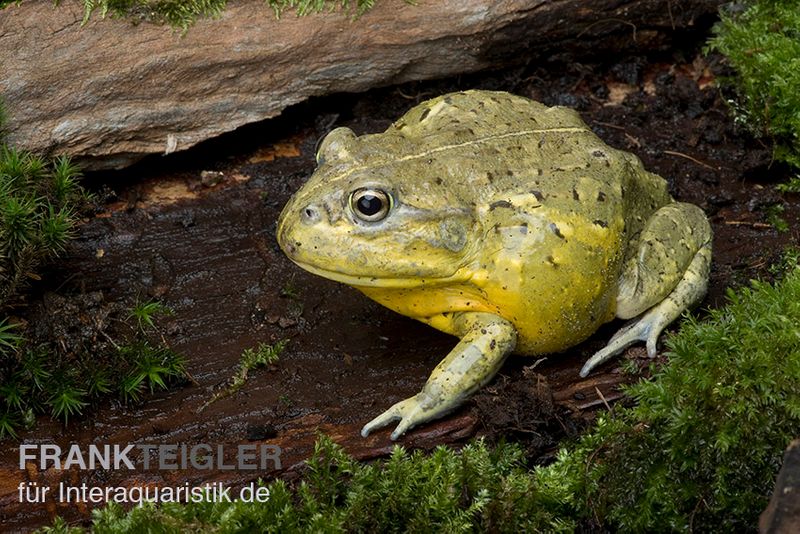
(509, 224)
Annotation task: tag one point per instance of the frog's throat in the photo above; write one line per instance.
(373, 281)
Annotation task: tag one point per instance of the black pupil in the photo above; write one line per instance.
(369, 204)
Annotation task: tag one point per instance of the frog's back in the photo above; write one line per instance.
(523, 146)
(470, 116)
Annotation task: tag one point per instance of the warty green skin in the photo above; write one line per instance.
(511, 225)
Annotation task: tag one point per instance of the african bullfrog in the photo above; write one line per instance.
(501, 221)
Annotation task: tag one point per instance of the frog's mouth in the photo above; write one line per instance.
(374, 281)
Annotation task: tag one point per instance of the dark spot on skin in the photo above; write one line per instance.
(600, 223)
(438, 181)
(599, 154)
(556, 230)
(538, 194)
(496, 228)
(483, 330)
(471, 131)
(541, 142)
(492, 344)
(540, 171)
(575, 195)
(523, 229)
(601, 197)
(297, 243)
(509, 173)
(424, 114)
(552, 261)
(500, 204)
(490, 177)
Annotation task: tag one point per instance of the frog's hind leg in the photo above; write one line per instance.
(666, 274)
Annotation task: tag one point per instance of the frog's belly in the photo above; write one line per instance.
(431, 304)
(555, 321)
(550, 319)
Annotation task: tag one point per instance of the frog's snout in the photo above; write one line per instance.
(292, 224)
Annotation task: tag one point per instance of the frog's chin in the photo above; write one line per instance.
(373, 281)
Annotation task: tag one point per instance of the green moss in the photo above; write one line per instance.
(263, 355)
(792, 186)
(774, 215)
(145, 313)
(63, 375)
(476, 489)
(701, 448)
(41, 378)
(762, 44)
(183, 13)
(38, 205)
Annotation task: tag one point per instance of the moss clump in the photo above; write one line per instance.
(261, 356)
(701, 448)
(74, 352)
(183, 13)
(476, 489)
(38, 205)
(762, 44)
(65, 366)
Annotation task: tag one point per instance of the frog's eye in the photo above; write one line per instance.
(370, 205)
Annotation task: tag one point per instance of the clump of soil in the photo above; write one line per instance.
(525, 411)
(84, 325)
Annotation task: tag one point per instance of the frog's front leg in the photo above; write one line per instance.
(666, 273)
(486, 340)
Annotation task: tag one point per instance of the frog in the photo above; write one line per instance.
(504, 222)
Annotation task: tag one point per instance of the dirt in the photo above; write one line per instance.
(197, 232)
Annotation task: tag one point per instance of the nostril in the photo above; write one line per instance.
(310, 214)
